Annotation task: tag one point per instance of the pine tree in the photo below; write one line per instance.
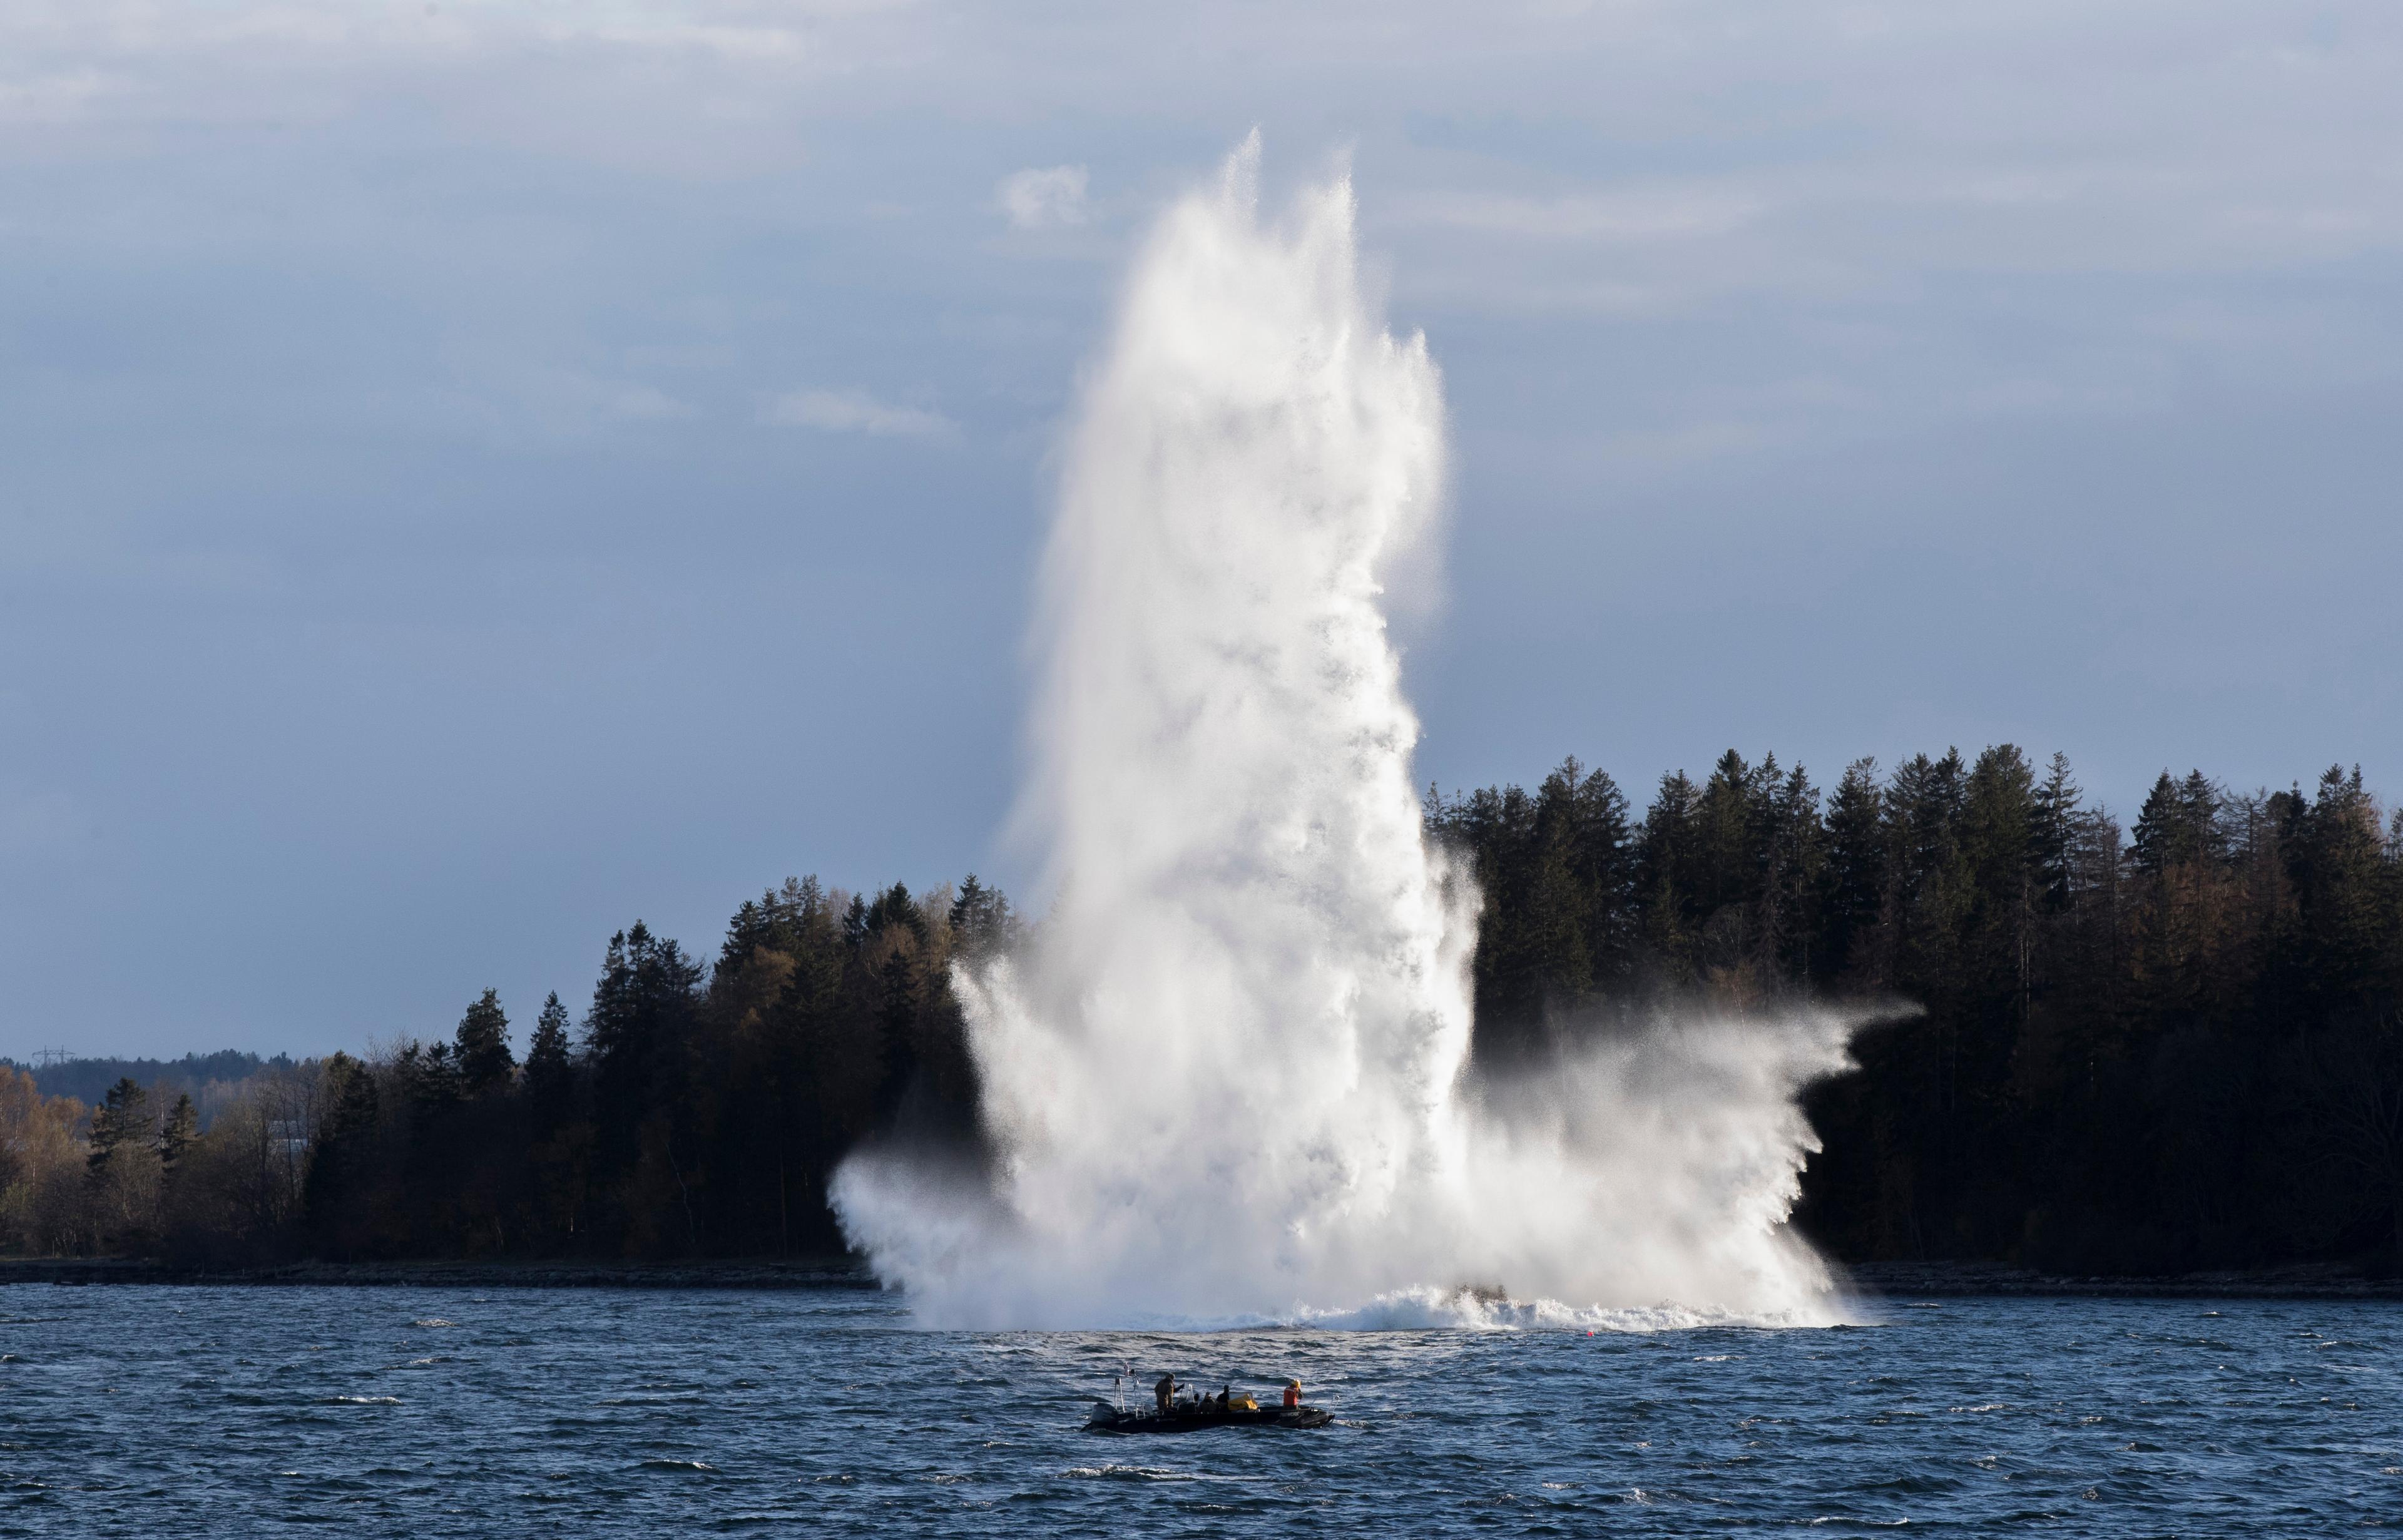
(750, 929)
(483, 1056)
(896, 1017)
(341, 1161)
(1924, 803)
(1855, 880)
(2155, 840)
(2052, 834)
(980, 918)
(1668, 876)
(638, 1034)
(2179, 824)
(1998, 818)
(428, 1077)
(1729, 866)
(549, 1073)
(1601, 852)
(2346, 894)
(895, 907)
(183, 1126)
(2205, 804)
(121, 1121)
(1797, 852)
(1558, 973)
(1999, 926)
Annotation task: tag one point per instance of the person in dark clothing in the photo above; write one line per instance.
(1165, 1392)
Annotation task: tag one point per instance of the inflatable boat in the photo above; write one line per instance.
(1192, 1417)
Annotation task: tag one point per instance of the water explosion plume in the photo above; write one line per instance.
(1225, 1077)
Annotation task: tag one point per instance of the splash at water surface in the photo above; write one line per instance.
(1225, 1077)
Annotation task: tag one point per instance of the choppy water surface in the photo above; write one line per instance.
(239, 1411)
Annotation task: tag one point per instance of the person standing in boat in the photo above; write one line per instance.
(1292, 1394)
(1165, 1392)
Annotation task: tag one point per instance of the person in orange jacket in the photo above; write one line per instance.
(1292, 1394)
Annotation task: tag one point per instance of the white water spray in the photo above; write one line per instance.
(1225, 1077)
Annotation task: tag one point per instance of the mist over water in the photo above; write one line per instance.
(1225, 1076)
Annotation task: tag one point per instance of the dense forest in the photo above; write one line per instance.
(693, 1110)
(2137, 1051)
(2134, 1050)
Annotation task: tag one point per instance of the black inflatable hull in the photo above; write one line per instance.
(1108, 1419)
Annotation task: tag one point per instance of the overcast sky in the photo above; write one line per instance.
(474, 475)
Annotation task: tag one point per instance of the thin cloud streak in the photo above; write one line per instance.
(1036, 199)
(855, 411)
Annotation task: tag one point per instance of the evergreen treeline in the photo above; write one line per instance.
(2139, 1051)
(2142, 1054)
(693, 1110)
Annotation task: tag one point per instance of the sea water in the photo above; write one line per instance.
(393, 1412)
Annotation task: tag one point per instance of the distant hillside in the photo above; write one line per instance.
(88, 1079)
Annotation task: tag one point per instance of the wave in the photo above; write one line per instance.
(1432, 1309)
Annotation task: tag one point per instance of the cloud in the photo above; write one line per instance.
(855, 411)
(1039, 197)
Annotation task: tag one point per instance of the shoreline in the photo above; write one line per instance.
(825, 1272)
(2000, 1281)
(1866, 1281)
